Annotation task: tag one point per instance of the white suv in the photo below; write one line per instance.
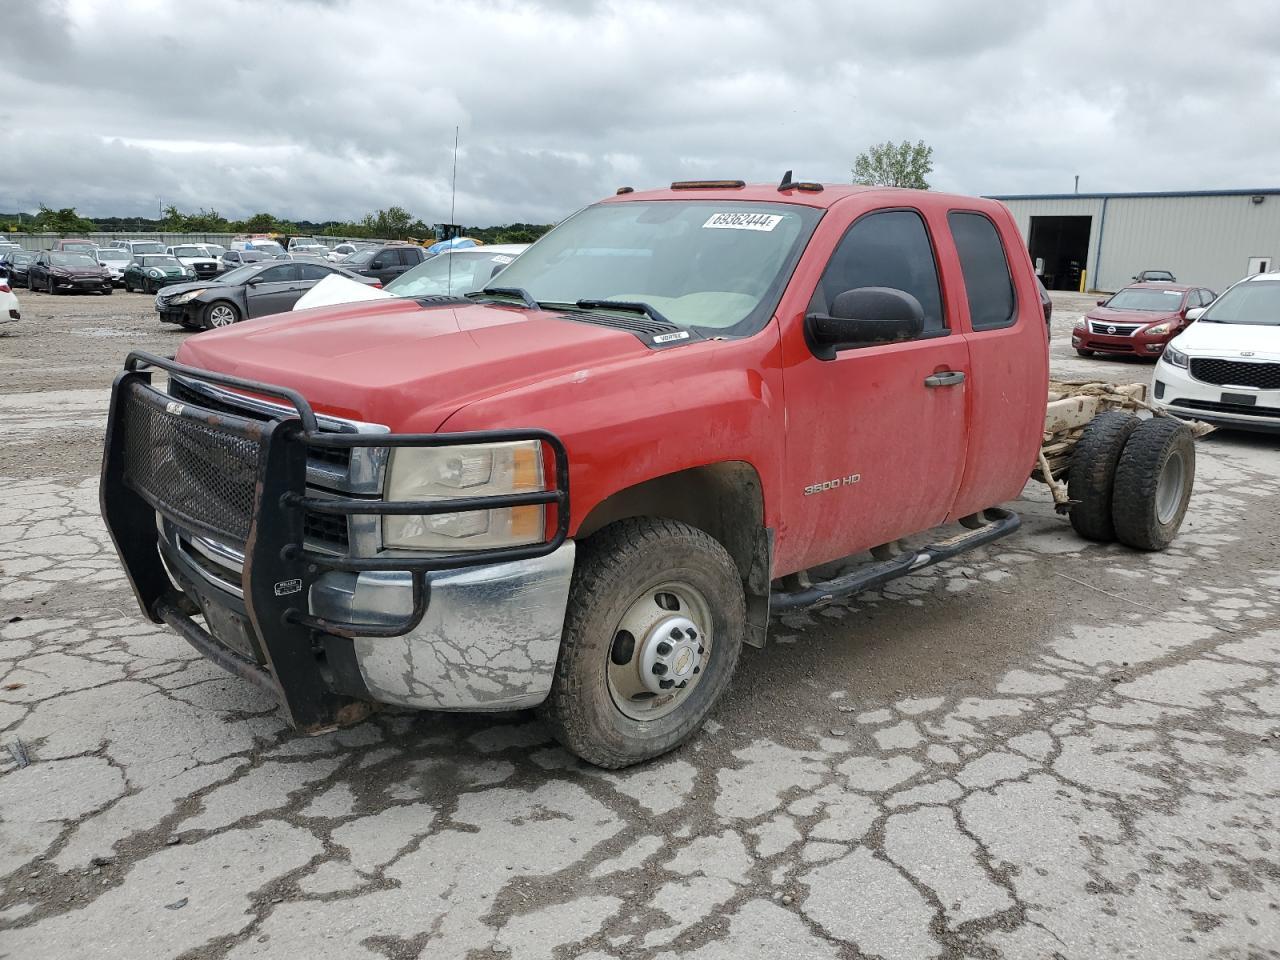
(1225, 367)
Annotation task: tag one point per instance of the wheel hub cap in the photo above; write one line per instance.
(671, 654)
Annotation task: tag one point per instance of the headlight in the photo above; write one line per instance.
(470, 470)
(1174, 358)
(186, 297)
(154, 273)
(1160, 329)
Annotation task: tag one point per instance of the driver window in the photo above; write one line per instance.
(888, 249)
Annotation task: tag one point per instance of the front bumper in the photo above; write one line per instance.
(182, 313)
(1175, 391)
(489, 639)
(1138, 344)
(83, 284)
(321, 631)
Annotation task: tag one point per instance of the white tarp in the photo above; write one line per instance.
(335, 289)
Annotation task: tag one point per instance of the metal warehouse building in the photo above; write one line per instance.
(1209, 237)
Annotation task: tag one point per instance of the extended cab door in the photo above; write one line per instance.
(1004, 326)
(876, 436)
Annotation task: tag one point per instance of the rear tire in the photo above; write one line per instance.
(633, 573)
(1153, 483)
(1093, 471)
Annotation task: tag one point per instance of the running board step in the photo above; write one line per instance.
(1000, 523)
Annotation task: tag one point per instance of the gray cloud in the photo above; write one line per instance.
(322, 109)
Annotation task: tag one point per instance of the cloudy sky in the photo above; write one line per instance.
(325, 109)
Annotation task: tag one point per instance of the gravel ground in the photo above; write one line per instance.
(1043, 749)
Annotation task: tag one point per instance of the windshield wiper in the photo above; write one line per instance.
(633, 306)
(520, 293)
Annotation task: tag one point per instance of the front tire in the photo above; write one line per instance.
(652, 635)
(220, 314)
(1085, 353)
(51, 287)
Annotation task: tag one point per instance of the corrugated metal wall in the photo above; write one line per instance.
(1203, 239)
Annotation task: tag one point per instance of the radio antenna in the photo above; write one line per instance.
(453, 205)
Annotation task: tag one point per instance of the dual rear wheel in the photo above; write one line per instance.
(1131, 479)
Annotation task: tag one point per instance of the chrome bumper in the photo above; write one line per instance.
(489, 640)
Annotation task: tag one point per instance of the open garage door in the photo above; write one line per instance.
(1060, 249)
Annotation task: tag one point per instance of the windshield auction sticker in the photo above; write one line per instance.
(742, 221)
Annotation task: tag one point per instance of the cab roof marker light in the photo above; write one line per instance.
(806, 185)
(708, 184)
(622, 190)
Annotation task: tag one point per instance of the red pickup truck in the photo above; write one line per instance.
(585, 486)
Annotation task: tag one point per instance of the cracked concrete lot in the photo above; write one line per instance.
(1044, 749)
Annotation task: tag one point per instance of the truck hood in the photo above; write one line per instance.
(407, 366)
(1230, 340)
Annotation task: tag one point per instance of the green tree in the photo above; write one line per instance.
(206, 221)
(895, 165)
(264, 223)
(173, 219)
(65, 220)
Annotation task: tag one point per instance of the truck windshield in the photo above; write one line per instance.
(1255, 302)
(712, 264)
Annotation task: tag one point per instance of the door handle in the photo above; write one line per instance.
(947, 378)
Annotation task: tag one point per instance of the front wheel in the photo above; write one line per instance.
(50, 287)
(1085, 353)
(220, 314)
(651, 639)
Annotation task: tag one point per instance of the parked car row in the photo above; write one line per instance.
(252, 290)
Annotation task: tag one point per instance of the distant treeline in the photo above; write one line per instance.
(394, 223)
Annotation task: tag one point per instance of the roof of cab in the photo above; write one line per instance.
(829, 195)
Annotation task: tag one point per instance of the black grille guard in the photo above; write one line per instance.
(203, 469)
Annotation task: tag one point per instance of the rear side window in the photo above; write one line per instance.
(889, 249)
(281, 274)
(313, 271)
(987, 280)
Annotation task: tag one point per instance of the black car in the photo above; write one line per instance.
(54, 271)
(387, 262)
(17, 262)
(1155, 276)
(254, 290)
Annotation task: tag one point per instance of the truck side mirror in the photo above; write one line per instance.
(863, 317)
(1195, 313)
